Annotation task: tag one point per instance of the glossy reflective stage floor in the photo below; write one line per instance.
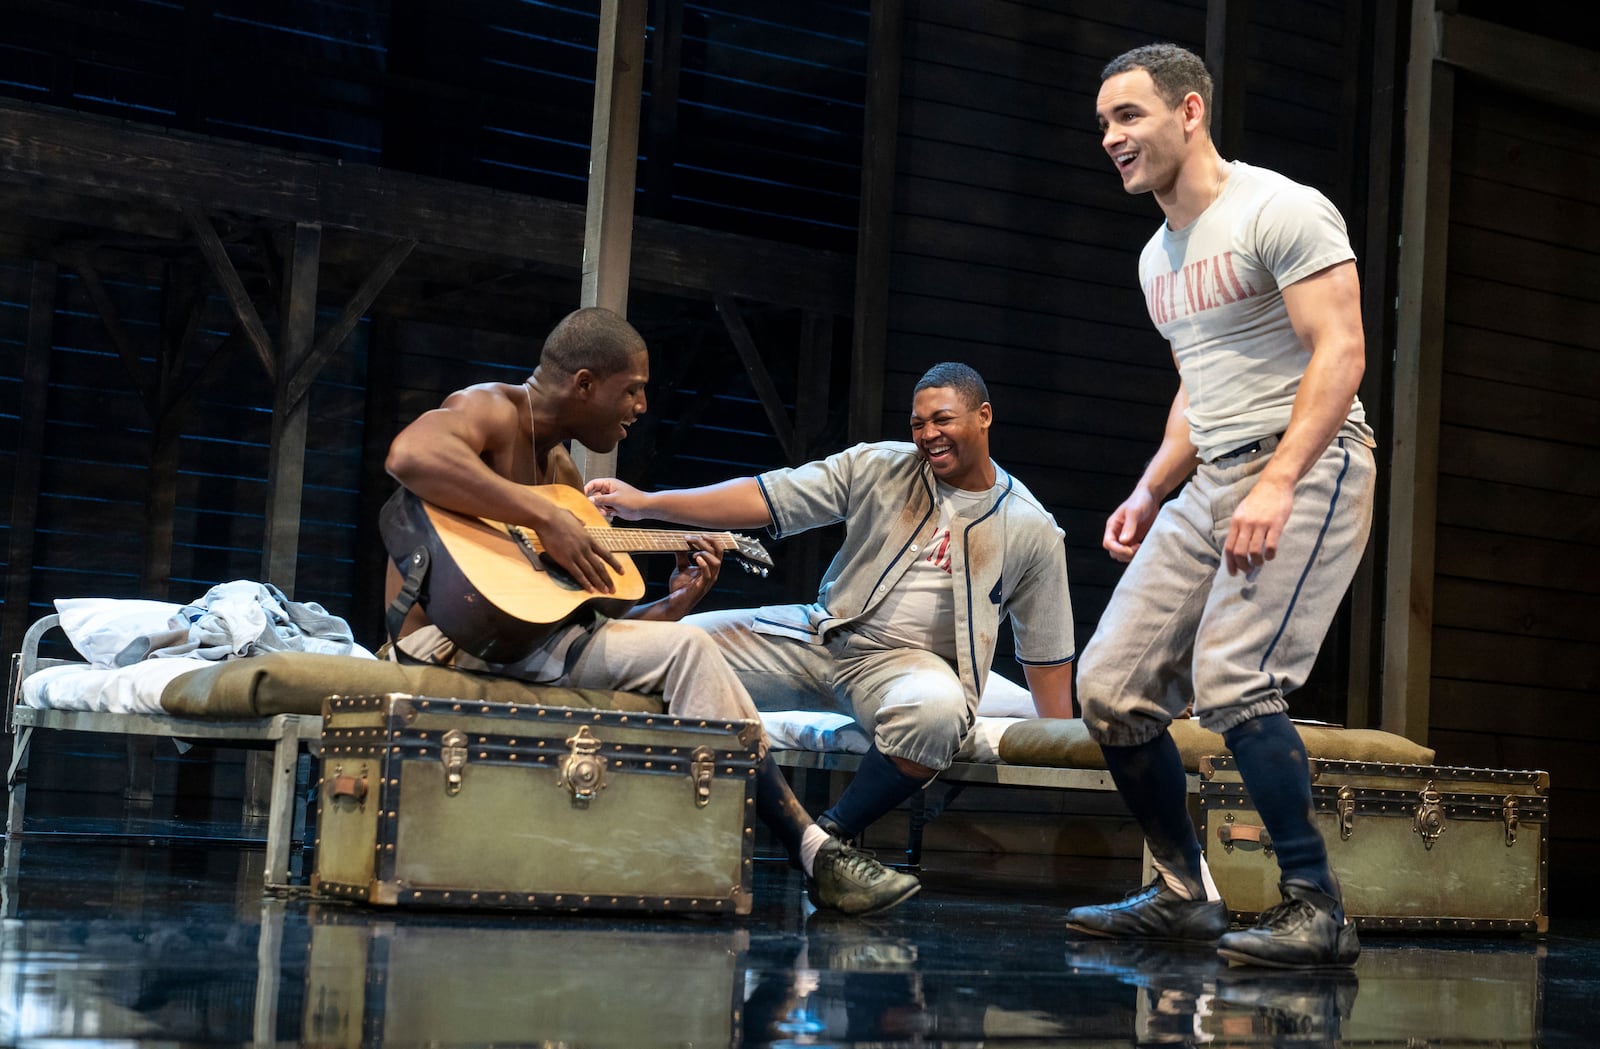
(165, 944)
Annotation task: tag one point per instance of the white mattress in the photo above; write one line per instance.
(134, 689)
(822, 731)
(1003, 704)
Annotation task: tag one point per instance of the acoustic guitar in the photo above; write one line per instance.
(494, 592)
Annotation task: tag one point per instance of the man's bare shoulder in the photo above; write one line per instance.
(483, 396)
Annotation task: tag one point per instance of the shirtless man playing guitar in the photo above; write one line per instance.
(481, 454)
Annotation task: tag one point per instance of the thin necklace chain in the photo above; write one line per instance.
(533, 446)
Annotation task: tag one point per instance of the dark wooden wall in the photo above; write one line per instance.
(1516, 604)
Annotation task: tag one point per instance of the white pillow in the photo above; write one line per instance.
(983, 742)
(1004, 698)
(100, 627)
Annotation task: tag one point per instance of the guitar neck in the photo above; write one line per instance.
(654, 540)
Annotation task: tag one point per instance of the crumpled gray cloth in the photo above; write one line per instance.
(243, 618)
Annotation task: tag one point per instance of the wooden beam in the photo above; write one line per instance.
(118, 333)
(1364, 678)
(613, 155)
(24, 518)
(286, 464)
(53, 150)
(182, 311)
(760, 378)
(1227, 55)
(875, 224)
(330, 341)
(232, 287)
(1540, 66)
(613, 175)
(1419, 351)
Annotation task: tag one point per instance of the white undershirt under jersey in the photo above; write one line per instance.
(919, 610)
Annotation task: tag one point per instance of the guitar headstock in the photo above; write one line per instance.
(753, 557)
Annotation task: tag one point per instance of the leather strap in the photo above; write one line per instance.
(411, 591)
(1231, 834)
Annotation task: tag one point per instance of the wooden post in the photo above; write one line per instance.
(1419, 352)
(1364, 684)
(613, 160)
(30, 455)
(287, 463)
(874, 234)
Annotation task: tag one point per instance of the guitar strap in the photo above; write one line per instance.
(411, 587)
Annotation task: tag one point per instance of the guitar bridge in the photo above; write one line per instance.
(524, 543)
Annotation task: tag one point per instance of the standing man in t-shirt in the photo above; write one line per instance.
(1231, 586)
(940, 544)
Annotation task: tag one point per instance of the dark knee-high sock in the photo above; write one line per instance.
(778, 808)
(1272, 763)
(1154, 786)
(878, 786)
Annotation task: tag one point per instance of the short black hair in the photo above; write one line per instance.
(1176, 71)
(958, 377)
(594, 338)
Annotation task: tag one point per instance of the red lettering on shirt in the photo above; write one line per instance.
(1244, 290)
(1206, 284)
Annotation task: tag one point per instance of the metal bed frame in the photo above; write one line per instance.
(286, 735)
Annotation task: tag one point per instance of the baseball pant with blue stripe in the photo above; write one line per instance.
(1181, 630)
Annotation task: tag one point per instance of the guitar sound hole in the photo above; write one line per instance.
(559, 575)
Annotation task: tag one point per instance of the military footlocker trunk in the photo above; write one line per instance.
(442, 802)
(417, 980)
(1413, 846)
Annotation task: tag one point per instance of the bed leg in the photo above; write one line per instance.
(17, 783)
(280, 811)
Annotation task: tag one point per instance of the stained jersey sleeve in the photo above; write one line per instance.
(1298, 233)
(812, 495)
(1040, 605)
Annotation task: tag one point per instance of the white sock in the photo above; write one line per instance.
(811, 842)
(1176, 883)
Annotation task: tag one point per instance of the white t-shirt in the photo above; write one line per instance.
(919, 610)
(1214, 291)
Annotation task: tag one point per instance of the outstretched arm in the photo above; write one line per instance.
(731, 504)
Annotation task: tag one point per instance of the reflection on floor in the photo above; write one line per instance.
(139, 944)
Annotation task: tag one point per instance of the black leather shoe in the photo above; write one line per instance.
(1154, 912)
(1307, 930)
